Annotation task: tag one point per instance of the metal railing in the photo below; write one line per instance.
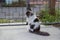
(16, 13)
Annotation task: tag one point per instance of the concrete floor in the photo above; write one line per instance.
(21, 33)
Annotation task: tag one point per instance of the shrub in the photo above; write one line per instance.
(46, 17)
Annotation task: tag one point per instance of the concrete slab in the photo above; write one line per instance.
(21, 33)
(8, 24)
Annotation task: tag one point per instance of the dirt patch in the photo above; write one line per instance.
(56, 25)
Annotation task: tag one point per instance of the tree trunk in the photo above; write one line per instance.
(52, 7)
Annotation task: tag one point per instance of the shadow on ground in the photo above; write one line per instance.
(41, 33)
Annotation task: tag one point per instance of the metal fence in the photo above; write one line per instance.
(17, 14)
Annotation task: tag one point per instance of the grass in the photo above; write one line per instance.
(10, 21)
(4, 21)
(19, 20)
(47, 18)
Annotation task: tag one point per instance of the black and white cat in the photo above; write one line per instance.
(32, 21)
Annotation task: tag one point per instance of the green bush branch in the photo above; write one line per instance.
(46, 17)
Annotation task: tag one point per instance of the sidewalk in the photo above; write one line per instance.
(21, 33)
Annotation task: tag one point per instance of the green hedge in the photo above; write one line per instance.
(46, 17)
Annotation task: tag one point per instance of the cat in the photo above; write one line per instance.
(32, 21)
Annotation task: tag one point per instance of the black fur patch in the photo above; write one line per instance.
(32, 26)
(36, 20)
(32, 14)
(26, 23)
(27, 13)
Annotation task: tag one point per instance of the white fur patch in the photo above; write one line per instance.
(30, 20)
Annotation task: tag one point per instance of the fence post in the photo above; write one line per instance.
(28, 4)
(52, 7)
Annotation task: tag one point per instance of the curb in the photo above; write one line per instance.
(53, 23)
(24, 23)
(13, 24)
